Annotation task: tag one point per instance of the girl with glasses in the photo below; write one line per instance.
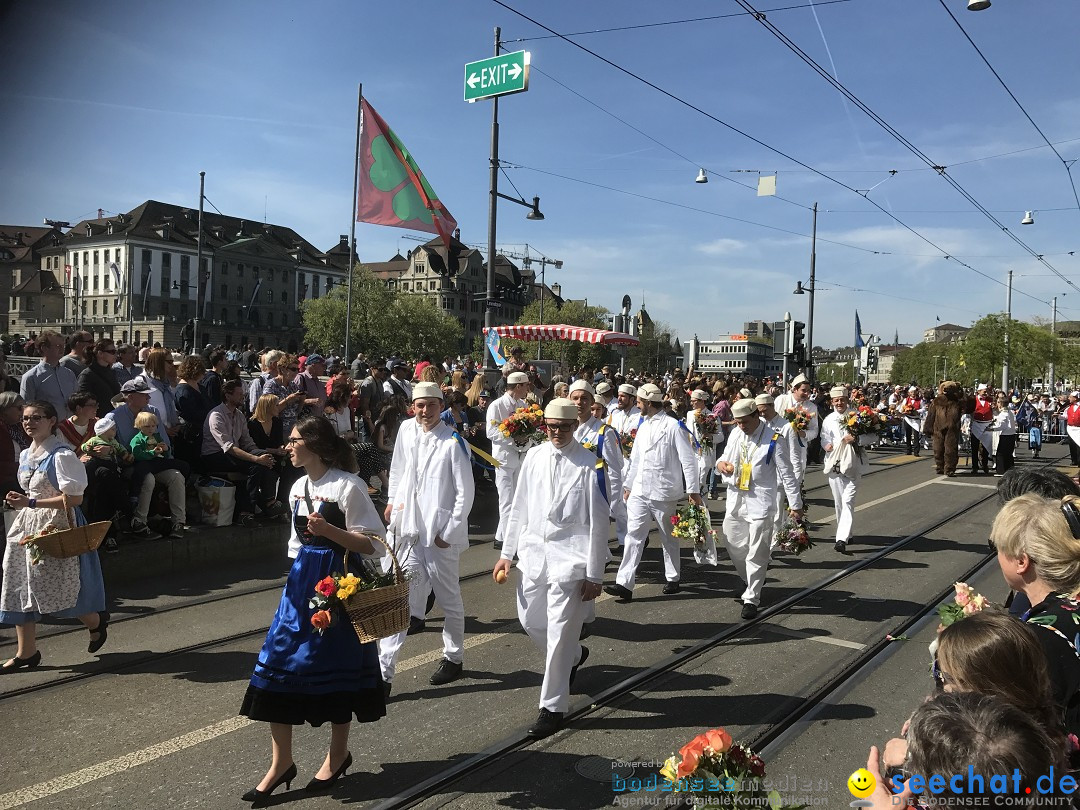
(61, 588)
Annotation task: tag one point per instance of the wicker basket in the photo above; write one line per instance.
(74, 541)
(380, 612)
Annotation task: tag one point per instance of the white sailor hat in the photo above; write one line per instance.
(697, 393)
(764, 399)
(745, 393)
(517, 377)
(838, 392)
(603, 388)
(582, 385)
(743, 408)
(799, 381)
(561, 408)
(913, 389)
(426, 390)
(650, 393)
(627, 388)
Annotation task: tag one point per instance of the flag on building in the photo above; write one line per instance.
(119, 287)
(254, 298)
(392, 189)
(145, 288)
(858, 332)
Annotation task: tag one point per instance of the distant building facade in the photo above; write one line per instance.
(729, 354)
(944, 333)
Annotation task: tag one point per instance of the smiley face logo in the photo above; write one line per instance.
(861, 783)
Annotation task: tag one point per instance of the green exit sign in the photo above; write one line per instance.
(497, 76)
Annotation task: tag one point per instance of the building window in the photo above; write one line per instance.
(270, 296)
(240, 293)
(405, 286)
(105, 282)
(224, 268)
(314, 286)
(420, 268)
(239, 270)
(285, 298)
(96, 256)
(431, 285)
(270, 320)
(224, 315)
(166, 272)
(163, 308)
(185, 275)
(86, 258)
(224, 292)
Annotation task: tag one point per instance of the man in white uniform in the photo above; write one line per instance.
(428, 502)
(707, 445)
(604, 397)
(625, 415)
(504, 450)
(766, 408)
(755, 463)
(843, 467)
(558, 530)
(800, 398)
(663, 470)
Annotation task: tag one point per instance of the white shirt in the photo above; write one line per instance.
(502, 448)
(767, 474)
(796, 453)
(558, 523)
(1005, 422)
(625, 421)
(786, 401)
(663, 462)
(832, 433)
(344, 489)
(589, 432)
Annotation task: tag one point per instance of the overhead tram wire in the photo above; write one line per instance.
(903, 141)
(678, 99)
(1067, 164)
(799, 7)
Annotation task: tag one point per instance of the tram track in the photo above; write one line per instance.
(641, 680)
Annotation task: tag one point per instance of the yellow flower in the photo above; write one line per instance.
(346, 591)
(668, 771)
(350, 580)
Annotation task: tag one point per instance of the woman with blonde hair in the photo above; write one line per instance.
(458, 382)
(429, 374)
(1038, 551)
(159, 372)
(475, 390)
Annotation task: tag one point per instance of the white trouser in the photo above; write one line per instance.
(619, 512)
(430, 568)
(640, 513)
(843, 493)
(706, 461)
(505, 482)
(552, 613)
(748, 546)
(174, 481)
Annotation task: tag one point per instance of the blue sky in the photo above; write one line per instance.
(109, 104)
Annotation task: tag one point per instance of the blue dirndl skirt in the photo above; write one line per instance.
(304, 677)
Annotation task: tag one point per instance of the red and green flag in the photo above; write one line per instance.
(392, 189)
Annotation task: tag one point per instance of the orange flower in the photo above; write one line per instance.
(719, 740)
(691, 756)
(326, 586)
(320, 619)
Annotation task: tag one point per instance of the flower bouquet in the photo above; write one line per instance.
(793, 537)
(909, 409)
(798, 418)
(525, 426)
(864, 420)
(965, 602)
(716, 771)
(626, 441)
(706, 423)
(692, 522)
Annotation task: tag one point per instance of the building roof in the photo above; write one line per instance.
(18, 243)
(950, 327)
(38, 282)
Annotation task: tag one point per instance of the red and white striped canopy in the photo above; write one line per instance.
(560, 331)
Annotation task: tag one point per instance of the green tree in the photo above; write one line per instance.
(418, 326)
(653, 353)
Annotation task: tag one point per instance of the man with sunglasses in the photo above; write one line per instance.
(76, 358)
(558, 529)
(50, 380)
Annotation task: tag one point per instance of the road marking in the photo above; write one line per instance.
(836, 642)
(832, 518)
(901, 459)
(968, 484)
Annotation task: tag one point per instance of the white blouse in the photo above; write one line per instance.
(344, 489)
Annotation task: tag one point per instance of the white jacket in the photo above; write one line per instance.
(589, 432)
(766, 473)
(663, 462)
(431, 486)
(785, 401)
(558, 524)
(852, 464)
(624, 421)
(503, 449)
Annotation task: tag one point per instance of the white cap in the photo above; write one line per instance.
(697, 393)
(982, 387)
(763, 399)
(799, 381)
(603, 388)
(913, 389)
(627, 388)
(104, 423)
(425, 390)
(745, 393)
(582, 385)
(561, 408)
(742, 408)
(517, 377)
(650, 393)
(838, 392)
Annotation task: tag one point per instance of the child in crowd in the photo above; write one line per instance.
(147, 444)
(103, 446)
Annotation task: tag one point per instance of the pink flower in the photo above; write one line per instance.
(963, 594)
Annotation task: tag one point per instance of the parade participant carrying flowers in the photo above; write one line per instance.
(844, 433)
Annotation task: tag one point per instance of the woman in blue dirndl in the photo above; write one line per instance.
(303, 676)
(65, 588)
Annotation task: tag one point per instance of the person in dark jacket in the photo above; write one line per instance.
(98, 378)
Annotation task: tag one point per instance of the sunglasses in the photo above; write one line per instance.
(561, 428)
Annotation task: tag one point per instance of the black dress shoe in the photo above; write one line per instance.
(258, 797)
(840, 546)
(16, 663)
(430, 603)
(671, 587)
(625, 594)
(749, 611)
(386, 687)
(415, 626)
(581, 661)
(447, 672)
(547, 723)
(101, 631)
(316, 785)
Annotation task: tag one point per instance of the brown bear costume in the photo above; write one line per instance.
(943, 423)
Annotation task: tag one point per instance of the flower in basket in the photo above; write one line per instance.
(965, 602)
(793, 537)
(333, 591)
(717, 771)
(524, 425)
(798, 418)
(626, 440)
(863, 420)
(36, 554)
(706, 428)
(692, 523)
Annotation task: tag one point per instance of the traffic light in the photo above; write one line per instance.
(872, 359)
(779, 340)
(798, 345)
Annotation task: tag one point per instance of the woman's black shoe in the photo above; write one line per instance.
(257, 797)
(324, 784)
(15, 663)
(102, 632)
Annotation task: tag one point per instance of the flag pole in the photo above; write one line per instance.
(352, 225)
